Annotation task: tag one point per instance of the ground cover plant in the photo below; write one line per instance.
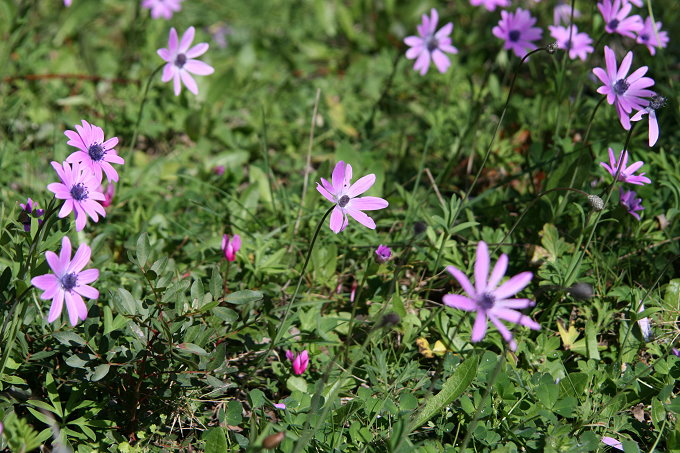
(339, 225)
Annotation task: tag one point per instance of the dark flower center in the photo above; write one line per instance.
(432, 43)
(644, 37)
(613, 24)
(180, 60)
(342, 202)
(69, 281)
(79, 192)
(620, 87)
(96, 152)
(514, 35)
(486, 301)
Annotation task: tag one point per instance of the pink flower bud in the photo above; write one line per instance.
(231, 246)
(300, 361)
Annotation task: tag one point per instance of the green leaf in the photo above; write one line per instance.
(192, 348)
(591, 340)
(243, 297)
(68, 338)
(452, 389)
(143, 247)
(99, 372)
(256, 398)
(234, 413)
(126, 302)
(53, 394)
(215, 441)
(296, 383)
(215, 286)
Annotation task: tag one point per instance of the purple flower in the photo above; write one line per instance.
(80, 190)
(108, 194)
(68, 282)
(676, 351)
(630, 202)
(30, 209)
(648, 36)
(181, 61)
(162, 8)
(656, 103)
(615, 18)
(637, 3)
(578, 44)
(300, 361)
(231, 246)
(343, 193)
(490, 4)
(490, 300)
(95, 153)
(612, 442)
(645, 326)
(626, 174)
(67, 2)
(218, 170)
(517, 31)
(280, 406)
(430, 45)
(383, 253)
(625, 91)
(562, 14)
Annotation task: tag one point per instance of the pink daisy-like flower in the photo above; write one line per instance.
(562, 14)
(162, 8)
(68, 282)
(181, 60)
(616, 18)
(490, 300)
(231, 246)
(625, 91)
(299, 361)
(95, 154)
(578, 44)
(626, 173)
(518, 32)
(648, 36)
(655, 104)
(81, 192)
(490, 4)
(430, 45)
(342, 192)
(638, 3)
(629, 200)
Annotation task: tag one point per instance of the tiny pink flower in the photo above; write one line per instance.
(300, 361)
(94, 153)
(629, 200)
(578, 44)
(383, 253)
(489, 300)
(231, 246)
(431, 45)
(342, 192)
(655, 104)
(218, 170)
(80, 190)
(181, 60)
(626, 173)
(615, 14)
(644, 324)
(108, 194)
(162, 8)
(280, 406)
(648, 36)
(68, 282)
(562, 14)
(353, 290)
(490, 4)
(626, 92)
(518, 31)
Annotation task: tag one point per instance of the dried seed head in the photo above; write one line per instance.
(552, 47)
(596, 202)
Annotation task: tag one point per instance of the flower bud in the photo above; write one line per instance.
(383, 254)
(273, 440)
(596, 202)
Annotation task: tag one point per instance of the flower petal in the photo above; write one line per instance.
(479, 328)
(459, 302)
(513, 286)
(481, 267)
(367, 203)
(362, 185)
(462, 280)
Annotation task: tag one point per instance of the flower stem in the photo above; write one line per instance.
(141, 109)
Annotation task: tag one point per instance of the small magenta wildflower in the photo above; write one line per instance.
(518, 32)
(80, 190)
(626, 173)
(562, 14)
(490, 4)
(299, 361)
(94, 153)
(231, 246)
(625, 91)
(218, 170)
(383, 253)
(490, 300)
(68, 282)
(615, 14)
(181, 60)
(28, 210)
(108, 194)
(280, 406)
(648, 36)
(578, 44)
(612, 442)
(630, 202)
(431, 44)
(343, 193)
(162, 8)
(656, 103)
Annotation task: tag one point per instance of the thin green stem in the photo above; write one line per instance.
(141, 109)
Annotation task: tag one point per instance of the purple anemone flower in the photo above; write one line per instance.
(615, 14)
(578, 44)
(181, 60)
(626, 173)
(490, 4)
(383, 254)
(28, 210)
(518, 32)
(81, 192)
(490, 300)
(68, 282)
(342, 192)
(94, 153)
(562, 14)
(162, 8)
(430, 45)
(629, 200)
(655, 104)
(626, 92)
(649, 34)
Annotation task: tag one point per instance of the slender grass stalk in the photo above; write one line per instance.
(133, 143)
(265, 156)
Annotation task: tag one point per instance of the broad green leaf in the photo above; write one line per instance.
(143, 247)
(215, 440)
(99, 372)
(243, 297)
